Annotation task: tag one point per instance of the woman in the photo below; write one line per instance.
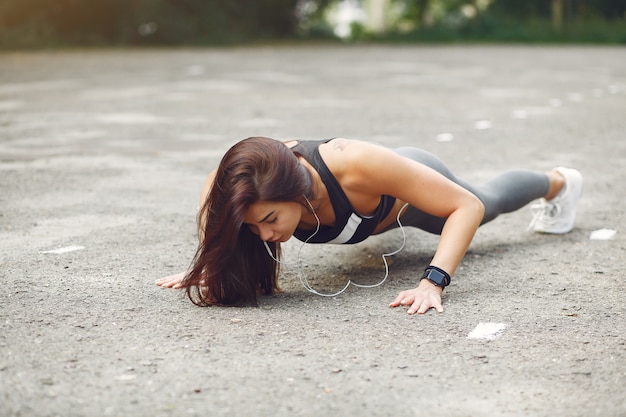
(342, 191)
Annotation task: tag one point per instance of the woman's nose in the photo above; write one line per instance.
(266, 234)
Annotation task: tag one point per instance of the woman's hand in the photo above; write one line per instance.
(421, 299)
(171, 281)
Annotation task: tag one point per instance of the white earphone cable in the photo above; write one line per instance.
(303, 279)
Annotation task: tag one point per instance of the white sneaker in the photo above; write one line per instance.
(558, 215)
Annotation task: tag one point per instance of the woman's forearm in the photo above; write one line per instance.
(456, 236)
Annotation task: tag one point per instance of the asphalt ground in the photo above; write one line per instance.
(102, 157)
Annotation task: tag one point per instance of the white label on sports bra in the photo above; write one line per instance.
(349, 230)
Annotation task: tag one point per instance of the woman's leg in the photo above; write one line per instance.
(505, 193)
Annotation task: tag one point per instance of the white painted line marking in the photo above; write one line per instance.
(602, 234)
(519, 114)
(575, 97)
(445, 137)
(64, 250)
(555, 102)
(482, 124)
(488, 331)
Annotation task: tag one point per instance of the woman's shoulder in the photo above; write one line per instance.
(346, 157)
(348, 152)
(291, 143)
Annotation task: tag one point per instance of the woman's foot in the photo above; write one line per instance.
(557, 211)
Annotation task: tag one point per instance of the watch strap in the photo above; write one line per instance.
(437, 276)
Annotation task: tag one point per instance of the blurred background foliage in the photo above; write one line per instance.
(53, 23)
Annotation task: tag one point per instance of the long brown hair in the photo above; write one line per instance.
(231, 265)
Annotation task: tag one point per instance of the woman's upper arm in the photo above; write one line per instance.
(381, 171)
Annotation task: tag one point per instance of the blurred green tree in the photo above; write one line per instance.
(26, 23)
(36, 22)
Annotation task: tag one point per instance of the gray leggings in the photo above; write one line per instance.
(505, 193)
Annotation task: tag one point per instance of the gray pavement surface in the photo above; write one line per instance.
(102, 157)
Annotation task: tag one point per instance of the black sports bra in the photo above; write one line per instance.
(350, 227)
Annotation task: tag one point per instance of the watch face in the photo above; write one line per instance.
(436, 277)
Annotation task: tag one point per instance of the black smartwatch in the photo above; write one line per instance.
(437, 276)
